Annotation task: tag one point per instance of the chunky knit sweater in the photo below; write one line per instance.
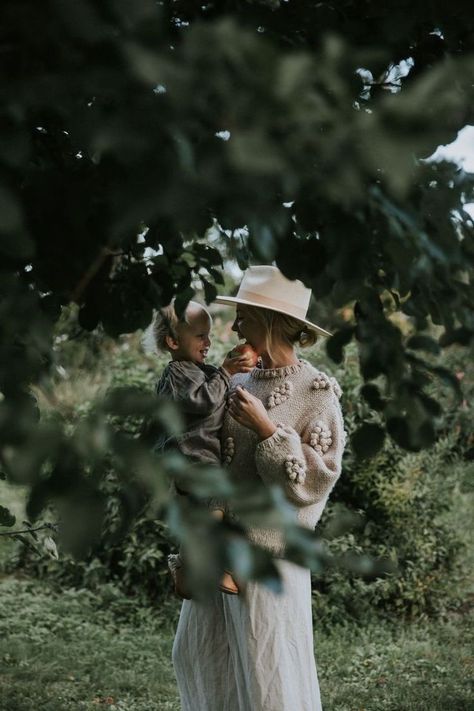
(304, 454)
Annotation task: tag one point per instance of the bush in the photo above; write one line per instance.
(398, 500)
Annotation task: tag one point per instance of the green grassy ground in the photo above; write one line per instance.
(60, 652)
(74, 650)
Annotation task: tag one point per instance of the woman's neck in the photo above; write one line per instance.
(279, 359)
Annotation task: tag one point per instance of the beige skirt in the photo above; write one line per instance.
(251, 652)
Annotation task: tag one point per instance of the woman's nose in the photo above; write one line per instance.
(234, 326)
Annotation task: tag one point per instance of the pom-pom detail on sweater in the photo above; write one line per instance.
(336, 387)
(280, 394)
(321, 438)
(228, 450)
(321, 382)
(296, 469)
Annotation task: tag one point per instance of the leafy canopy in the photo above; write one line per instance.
(308, 123)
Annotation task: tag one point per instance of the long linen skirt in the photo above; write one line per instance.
(249, 652)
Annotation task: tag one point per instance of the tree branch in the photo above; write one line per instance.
(50, 526)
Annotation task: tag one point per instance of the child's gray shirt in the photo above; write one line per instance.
(201, 392)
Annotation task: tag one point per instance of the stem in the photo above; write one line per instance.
(90, 273)
(28, 530)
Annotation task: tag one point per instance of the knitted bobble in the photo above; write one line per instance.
(296, 469)
(228, 450)
(321, 382)
(320, 438)
(280, 394)
(336, 387)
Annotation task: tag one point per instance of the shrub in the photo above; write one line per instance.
(398, 500)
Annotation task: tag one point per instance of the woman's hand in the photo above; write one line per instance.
(250, 412)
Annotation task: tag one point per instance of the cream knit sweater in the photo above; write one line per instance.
(303, 456)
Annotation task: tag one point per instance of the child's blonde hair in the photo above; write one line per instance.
(279, 327)
(166, 323)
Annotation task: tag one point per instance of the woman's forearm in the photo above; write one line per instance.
(266, 429)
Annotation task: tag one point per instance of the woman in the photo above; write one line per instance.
(254, 651)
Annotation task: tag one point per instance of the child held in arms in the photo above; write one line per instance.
(201, 391)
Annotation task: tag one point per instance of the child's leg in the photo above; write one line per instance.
(227, 583)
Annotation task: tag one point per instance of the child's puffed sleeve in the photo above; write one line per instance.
(198, 391)
(307, 464)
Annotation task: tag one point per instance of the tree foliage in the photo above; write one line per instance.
(130, 126)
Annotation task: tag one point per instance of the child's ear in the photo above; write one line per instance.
(172, 343)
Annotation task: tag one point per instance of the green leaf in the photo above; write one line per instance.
(6, 517)
(263, 242)
(449, 378)
(424, 343)
(368, 440)
(32, 533)
(216, 275)
(371, 394)
(335, 344)
(50, 547)
(462, 335)
(210, 291)
(207, 256)
(412, 435)
(182, 300)
(431, 405)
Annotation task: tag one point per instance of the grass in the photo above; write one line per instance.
(73, 650)
(60, 652)
(78, 651)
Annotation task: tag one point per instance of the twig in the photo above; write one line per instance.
(51, 526)
(90, 273)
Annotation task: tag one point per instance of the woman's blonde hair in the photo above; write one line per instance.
(279, 328)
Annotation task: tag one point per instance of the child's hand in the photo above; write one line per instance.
(250, 412)
(238, 364)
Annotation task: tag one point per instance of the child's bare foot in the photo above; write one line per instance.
(228, 584)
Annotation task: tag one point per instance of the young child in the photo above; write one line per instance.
(201, 391)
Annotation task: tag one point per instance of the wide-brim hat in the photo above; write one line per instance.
(266, 287)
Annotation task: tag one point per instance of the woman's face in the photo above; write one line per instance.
(248, 328)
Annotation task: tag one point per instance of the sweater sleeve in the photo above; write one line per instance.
(198, 392)
(305, 465)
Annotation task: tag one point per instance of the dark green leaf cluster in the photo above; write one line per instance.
(133, 131)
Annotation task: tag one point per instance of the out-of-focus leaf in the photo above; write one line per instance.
(368, 440)
(182, 300)
(50, 547)
(423, 343)
(31, 531)
(202, 481)
(6, 518)
(462, 335)
(335, 344)
(371, 394)
(210, 291)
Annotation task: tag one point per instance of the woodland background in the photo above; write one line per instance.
(152, 149)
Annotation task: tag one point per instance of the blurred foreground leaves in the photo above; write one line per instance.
(132, 132)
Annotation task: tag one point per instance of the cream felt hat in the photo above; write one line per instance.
(265, 286)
